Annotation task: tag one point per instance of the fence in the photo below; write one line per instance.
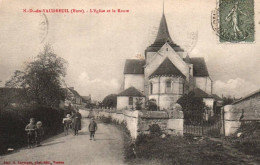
(199, 125)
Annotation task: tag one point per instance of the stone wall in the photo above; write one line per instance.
(244, 111)
(231, 120)
(250, 107)
(138, 122)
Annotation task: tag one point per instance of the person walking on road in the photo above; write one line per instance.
(67, 122)
(92, 127)
(77, 122)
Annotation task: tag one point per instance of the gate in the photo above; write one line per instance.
(202, 125)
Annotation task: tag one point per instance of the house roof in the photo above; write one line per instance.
(74, 92)
(216, 97)
(200, 93)
(134, 66)
(87, 98)
(167, 68)
(162, 37)
(131, 91)
(247, 96)
(199, 66)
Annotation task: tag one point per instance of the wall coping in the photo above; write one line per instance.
(154, 114)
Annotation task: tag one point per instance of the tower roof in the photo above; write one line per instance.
(167, 68)
(162, 37)
(199, 67)
(163, 32)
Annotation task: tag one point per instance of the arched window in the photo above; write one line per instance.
(151, 88)
(168, 86)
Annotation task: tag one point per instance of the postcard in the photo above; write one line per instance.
(129, 82)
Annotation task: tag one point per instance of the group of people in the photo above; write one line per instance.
(74, 121)
(34, 133)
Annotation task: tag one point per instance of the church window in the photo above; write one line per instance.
(151, 88)
(181, 89)
(167, 49)
(131, 100)
(168, 87)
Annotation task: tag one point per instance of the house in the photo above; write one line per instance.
(87, 99)
(166, 73)
(73, 98)
(130, 98)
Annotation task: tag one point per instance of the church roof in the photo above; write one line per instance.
(199, 67)
(200, 93)
(134, 66)
(162, 37)
(167, 68)
(131, 91)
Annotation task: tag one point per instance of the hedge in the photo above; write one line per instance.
(14, 120)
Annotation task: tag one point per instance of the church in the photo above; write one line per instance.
(165, 75)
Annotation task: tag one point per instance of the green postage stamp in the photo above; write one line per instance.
(236, 21)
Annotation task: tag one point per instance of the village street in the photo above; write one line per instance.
(75, 150)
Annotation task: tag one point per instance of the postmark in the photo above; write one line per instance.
(191, 41)
(235, 21)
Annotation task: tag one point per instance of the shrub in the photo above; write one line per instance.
(193, 108)
(151, 105)
(249, 141)
(155, 130)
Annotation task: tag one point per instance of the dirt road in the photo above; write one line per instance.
(74, 150)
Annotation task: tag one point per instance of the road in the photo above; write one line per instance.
(75, 150)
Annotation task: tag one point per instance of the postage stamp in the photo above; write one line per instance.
(236, 21)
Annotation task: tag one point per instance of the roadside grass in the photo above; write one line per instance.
(249, 140)
(154, 149)
(181, 150)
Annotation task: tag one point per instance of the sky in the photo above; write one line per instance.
(96, 45)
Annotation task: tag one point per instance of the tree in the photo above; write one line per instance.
(138, 103)
(151, 105)
(193, 107)
(110, 100)
(42, 78)
(228, 100)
